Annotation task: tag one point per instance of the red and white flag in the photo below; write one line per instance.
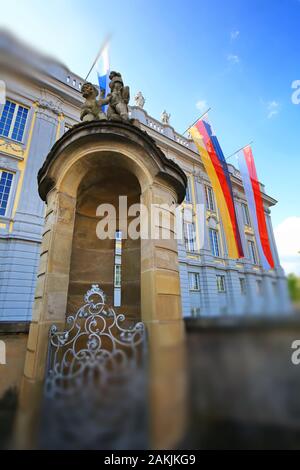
(255, 205)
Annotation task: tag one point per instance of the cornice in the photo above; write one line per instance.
(168, 170)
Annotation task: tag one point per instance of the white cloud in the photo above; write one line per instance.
(287, 235)
(234, 35)
(233, 58)
(202, 105)
(272, 108)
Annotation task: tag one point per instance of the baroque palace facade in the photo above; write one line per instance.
(42, 102)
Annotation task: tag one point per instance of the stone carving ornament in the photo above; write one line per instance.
(118, 98)
(47, 101)
(9, 147)
(165, 117)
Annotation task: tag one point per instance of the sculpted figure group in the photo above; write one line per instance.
(117, 101)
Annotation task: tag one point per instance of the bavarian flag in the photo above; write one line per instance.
(217, 170)
(103, 71)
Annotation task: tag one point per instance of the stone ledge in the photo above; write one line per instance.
(14, 327)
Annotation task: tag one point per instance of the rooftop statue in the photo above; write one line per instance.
(118, 98)
(139, 100)
(91, 108)
(165, 117)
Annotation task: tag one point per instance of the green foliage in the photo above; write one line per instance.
(294, 287)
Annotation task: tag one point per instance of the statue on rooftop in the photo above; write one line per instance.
(91, 110)
(118, 98)
(165, 117)
(139, 100)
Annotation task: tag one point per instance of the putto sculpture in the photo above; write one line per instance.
(165, 117)
(91, 109)
(118, 98)
(117, 101)
(139, 100)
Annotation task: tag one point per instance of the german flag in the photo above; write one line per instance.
(217, 170)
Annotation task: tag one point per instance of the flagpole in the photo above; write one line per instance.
(198, 119)
(242, 148)
(105, 42)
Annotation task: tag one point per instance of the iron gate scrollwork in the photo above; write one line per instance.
(95, 386)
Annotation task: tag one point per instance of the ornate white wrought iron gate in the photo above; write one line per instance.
(95, 387)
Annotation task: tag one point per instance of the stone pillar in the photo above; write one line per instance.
(269, 297)
(201, 214)
(161, 312)
(235, 302)
(53, 279)
(282, 299)
(49, 308)
(272, 241)
(209, 294)
(185, 293)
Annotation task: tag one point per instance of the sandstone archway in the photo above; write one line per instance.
(111, 154)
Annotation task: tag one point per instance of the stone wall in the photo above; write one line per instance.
(244, 389)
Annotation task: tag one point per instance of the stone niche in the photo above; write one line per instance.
(92, 259)
(91, 164)
(95, 163)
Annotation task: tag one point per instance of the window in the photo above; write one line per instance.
(214, 242)
(13, 120)
(5, 187)
(189, 236)
(252, 251)
(221, 283)
(117, 271)
(7, 117)
(259, 287)
(246, 216)
(209, 196)
(194, 281)
(243, 285)
(188, 194)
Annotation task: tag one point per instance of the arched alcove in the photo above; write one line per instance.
(113, 262)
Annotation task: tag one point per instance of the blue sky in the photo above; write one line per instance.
(238, 56)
